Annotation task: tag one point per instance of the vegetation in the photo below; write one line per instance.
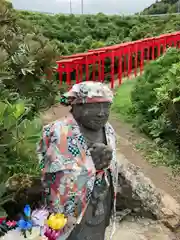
(30, 43)
(122, 103)
(157, 109)
(24, 58)
(162, 7)
(19, 135)
(73, 34)
(152, 101)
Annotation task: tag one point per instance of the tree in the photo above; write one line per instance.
(24, 57)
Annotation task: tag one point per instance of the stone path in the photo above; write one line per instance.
(142, 229)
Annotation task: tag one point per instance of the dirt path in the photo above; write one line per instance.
(127, 138)
(161, 176)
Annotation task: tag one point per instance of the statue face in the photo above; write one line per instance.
(92, 115)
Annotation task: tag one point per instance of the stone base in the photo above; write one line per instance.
(138, 194)
(141, 229)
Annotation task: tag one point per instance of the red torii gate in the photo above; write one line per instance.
(124, 51)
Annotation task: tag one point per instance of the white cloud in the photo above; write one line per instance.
(90, 6)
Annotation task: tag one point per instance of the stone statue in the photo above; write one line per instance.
(92, 119)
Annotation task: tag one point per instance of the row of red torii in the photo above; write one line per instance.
(135, 53)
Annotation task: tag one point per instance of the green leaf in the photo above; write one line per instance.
(177, 99)
(173, 70)
(9, 121)
(3, 107)
(19, 109)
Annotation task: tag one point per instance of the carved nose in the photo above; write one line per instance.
(100, 114)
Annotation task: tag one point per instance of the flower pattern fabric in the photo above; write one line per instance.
(87, 92)
(68, 170)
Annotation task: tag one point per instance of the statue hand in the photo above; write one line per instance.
(101, 155)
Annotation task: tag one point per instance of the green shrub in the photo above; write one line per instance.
(162, 7)
(155, 99)
(19, 136)
(73, 33)
(24, 59)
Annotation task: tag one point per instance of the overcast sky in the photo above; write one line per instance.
(90, 6)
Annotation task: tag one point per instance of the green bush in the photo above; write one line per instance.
(77, 33)
(24, 59)
(19, 135)
(155, 99)
(162, 7)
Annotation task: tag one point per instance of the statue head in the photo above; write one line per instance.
(91, 103)
(91, 115)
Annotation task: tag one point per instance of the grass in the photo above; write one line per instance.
(122, 102)
(159, 156)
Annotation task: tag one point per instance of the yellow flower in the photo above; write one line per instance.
(57, 221)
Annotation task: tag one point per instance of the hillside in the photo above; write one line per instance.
(72, 33)
(162, 7)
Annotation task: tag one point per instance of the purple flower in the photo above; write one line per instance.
(39, 217)
(51, 234)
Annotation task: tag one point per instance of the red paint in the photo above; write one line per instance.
(112, 69)
(120, 68)
(60, 70)
(102, 70)
(129, 61)
(80, 73)
(87, 69)
(94, 57)
(125, 65)
(99, 67)
(136, 61)
(142, 59)
(77, 73)
(68, 73)
(94, 69)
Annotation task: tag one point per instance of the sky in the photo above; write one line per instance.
(90, 6)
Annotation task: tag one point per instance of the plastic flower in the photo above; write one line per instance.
(11, 223)
(57, 221)
(27, 211)
(24, 225)
(39, 217)
(51, 234)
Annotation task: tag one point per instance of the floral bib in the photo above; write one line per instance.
(68, 170)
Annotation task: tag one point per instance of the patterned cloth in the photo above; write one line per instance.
(87, 92)
(68, 169)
